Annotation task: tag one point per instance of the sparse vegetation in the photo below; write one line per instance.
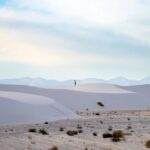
(94, 134)
(110, 128)
(54, 148)
(42, 131)
(97, 114)
(117, 135)
(32, 130)
(147, 144)
(80, 131)
(100, 104)
(79, 127)
(61, 129)
(71, 132)
(101, 122)
(107, 135)
(46, 122)
(129, 127)
(128, 119)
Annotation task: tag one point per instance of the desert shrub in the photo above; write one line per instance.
(71, 132)
(147, 144)
(97, 114)
(107, 135)
(100, 104)
(32, 142)
(94, 134)
(44, 132)
(110, 128)
(78, 126)
(61, 129)
(117, 135)
(129, 127)
(46, 122)
(32, 130)
(54, 148)
(80, 131)
(101, 122)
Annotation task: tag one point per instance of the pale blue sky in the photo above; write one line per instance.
(67, 39)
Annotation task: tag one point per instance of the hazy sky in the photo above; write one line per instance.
(67, 39)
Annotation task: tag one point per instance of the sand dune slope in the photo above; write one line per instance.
(78, 100)
(97, 88)
(17, 107)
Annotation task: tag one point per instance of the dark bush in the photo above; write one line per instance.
(54, 148)
(110, 128)
(79, 127)
(100, 104)
(117, 135)
(107, 135)
(94, 134)
(97, 114)
(71, 132)
(129, 127)
(46, 122)
(61, 129)
(101, 122)
(32, 130)
(80, 131)
(128, 119)
(42, 131)
(147, 144)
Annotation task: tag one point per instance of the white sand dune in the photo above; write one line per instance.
(96, 88)
(27, 104)
(17, 107)
(77, 100)
(143, 89)
(27, 98)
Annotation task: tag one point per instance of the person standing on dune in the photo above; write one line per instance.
(75, 82)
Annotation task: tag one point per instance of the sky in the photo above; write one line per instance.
(74, 39)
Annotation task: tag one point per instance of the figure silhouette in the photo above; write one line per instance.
(75, 82)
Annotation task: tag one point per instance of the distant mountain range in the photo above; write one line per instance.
(51, 83)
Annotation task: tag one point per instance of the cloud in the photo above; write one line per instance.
(118, 15)
(104, 12)
(27, 47)
(61, 34)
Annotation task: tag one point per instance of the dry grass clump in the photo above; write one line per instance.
(94, 134)
(147, 144)
(79, 126)
(61, 129)
(32, 130)
(42, 131)
(54, 148)
(97, 114)
(80, 131)
(117, 135)
(71, 132)
(107, 135)
(110, 128)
